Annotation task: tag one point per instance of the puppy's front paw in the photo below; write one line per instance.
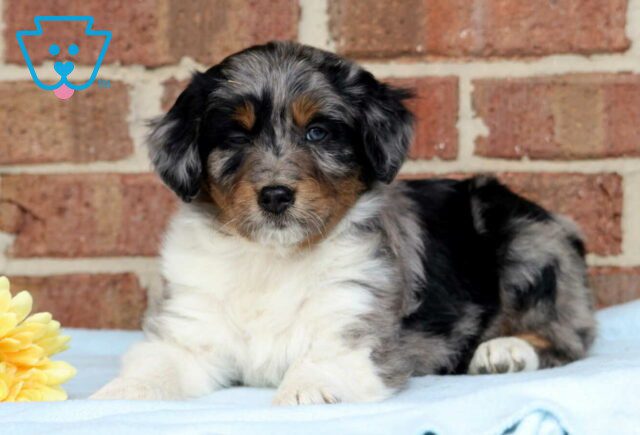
(304, 394)
(128, 389)
(503, 355)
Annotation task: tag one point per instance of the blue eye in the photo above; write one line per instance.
(73, 49)
(315, 134)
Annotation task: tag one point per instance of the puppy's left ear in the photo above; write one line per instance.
(386, 127)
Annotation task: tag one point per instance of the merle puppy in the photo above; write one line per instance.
(296, 262)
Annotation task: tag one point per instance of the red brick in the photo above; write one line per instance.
(615, 285)
(36, 127)
(154, 32)
(463, 28)
(88, 214)
(594, 201)
(10, 216)
(435, 107)
(172, 89)
(562, 118)
(114, 301)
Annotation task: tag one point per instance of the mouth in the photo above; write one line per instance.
(302, 225)
(278, 221)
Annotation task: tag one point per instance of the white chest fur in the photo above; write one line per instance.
(253, 310)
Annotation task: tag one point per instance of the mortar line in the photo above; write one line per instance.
(633, 27)
(475, 69)
(469, 126)
(145, 104)
(465, 121)
(3, 43)
(129, 74)
(313, 27)
(613, 261)
(543, 67)
(132, 164)
(140, 164)
(631, 214)
(6, 240)
(42, 266)
(145, 269)
(481, 164)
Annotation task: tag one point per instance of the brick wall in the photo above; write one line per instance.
(546, 94)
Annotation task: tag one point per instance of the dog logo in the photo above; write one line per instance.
(63, 88)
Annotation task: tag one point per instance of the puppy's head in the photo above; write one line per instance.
(283, 139)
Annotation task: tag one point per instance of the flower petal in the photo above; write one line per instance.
(4, 389)
(9, 344)
(8, 321)
(42, 394)
(31, 375)
(43, 317)
(24, 337)
(21, 304)
(58, 372)
(33, 329)
(14, 391)
(53, 345)
(30, 356)
(5, 294)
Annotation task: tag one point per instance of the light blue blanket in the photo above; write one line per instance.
(598, 395)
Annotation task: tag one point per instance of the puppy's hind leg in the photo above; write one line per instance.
(545, 318)
(156, 370)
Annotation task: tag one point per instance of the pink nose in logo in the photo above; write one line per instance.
(63, 92)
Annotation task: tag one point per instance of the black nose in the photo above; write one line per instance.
(275, 199)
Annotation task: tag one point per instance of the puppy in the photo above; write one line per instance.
(294, 261)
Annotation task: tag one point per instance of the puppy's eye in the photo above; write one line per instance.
(315, 134)
(238, 139)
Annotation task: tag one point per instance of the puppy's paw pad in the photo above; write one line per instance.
(127, 389)
(503, 355)
(304, 395)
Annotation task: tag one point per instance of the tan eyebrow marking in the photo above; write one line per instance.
(303, 110)
(245, 115)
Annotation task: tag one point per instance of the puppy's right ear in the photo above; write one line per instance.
(173, 142)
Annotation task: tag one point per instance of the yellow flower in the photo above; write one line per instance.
(26, 343)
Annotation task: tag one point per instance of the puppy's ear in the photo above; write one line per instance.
(386, 127)
(173, 142)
